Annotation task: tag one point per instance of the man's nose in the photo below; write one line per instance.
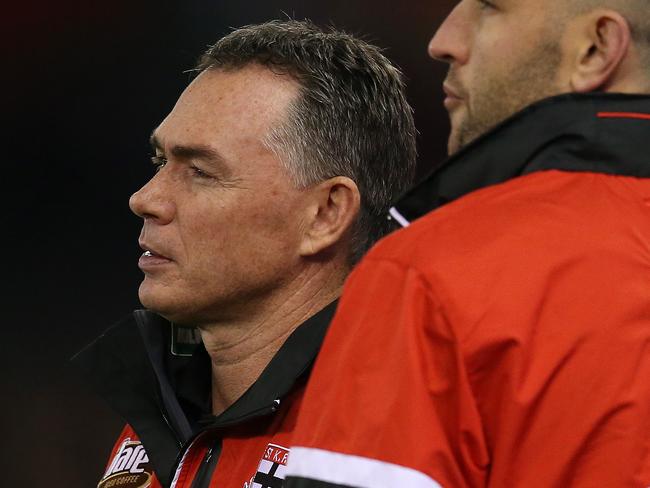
(154, 200)
(451, 41)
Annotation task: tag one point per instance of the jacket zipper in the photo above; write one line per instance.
(176, 436)
(208, 466)
(199, 480)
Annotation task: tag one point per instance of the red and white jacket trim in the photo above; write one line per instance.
(346, 469)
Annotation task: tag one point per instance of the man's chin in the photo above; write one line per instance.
(172, 308)
(453, 143)
(157, 300)
(457, 120)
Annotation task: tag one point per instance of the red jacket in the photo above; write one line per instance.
(160, 383)
(503, 340)
(254, 452)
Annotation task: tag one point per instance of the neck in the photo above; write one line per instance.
(240, 348)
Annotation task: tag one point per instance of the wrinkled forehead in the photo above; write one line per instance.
(252, 89)
(246, 101)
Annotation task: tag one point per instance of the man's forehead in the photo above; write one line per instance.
(251, 86)
(248, 100)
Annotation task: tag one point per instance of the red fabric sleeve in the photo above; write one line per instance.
(390, 383)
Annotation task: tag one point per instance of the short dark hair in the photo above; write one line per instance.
(351, 117)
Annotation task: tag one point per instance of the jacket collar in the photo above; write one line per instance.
(603, 133)
(287, 367)
(165, 397)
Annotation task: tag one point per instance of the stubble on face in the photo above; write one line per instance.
(495, 95)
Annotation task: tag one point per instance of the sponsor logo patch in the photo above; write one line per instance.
(129, 468)
(271, 471)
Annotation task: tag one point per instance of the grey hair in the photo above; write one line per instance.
(351, 117)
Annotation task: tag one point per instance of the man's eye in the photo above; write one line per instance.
(158, 162)
(484, 4)
(199, 173)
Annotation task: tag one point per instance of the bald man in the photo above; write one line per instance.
(503, 338)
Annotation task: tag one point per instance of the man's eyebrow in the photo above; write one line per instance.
(205, 153)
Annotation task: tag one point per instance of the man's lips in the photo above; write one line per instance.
(151, 257)
(453, 98)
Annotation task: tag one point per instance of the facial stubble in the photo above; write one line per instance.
(503, 93)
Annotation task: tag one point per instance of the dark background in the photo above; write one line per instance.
(84, 84)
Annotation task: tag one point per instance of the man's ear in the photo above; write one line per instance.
(333, 210)
(604, 41)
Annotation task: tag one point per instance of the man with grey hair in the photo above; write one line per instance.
(273, 175)
(503, 339)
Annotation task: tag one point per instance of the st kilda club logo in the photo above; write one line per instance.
(129, 467)
(270, 472)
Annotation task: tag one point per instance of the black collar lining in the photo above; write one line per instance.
(294, 358)
(568, 132)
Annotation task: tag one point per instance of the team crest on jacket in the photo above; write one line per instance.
(270, 472)
(129, 468)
